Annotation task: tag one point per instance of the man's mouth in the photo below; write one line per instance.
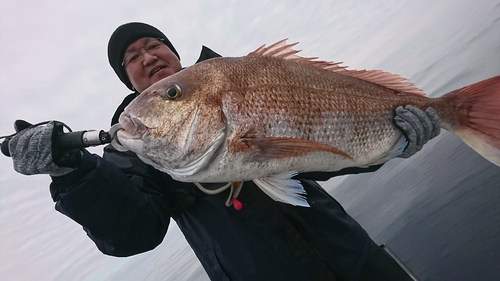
(154, 70)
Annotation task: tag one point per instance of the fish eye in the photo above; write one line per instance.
(173, 92)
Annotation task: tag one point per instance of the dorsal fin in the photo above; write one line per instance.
(388, 80)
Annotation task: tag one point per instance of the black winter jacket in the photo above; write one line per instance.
(125, 207)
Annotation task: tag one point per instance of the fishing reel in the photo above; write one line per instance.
(69, 140)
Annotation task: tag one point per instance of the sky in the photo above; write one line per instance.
(53, 66)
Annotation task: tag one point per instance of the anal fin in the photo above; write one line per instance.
(394, 152)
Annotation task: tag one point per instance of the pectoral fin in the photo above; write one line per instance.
(277, 148)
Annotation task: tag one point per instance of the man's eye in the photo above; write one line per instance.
(132, 58)
(153, 46)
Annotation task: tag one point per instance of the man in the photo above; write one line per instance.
(125, 205)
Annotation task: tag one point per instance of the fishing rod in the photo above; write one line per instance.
(77, 139)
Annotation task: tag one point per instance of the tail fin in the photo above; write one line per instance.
(478, 123)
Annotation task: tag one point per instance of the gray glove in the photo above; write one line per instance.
(418, 126)
(31, 151)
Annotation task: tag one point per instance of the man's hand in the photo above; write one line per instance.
(32, 153)
(418, 127)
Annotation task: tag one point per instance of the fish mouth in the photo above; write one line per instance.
(132, 128)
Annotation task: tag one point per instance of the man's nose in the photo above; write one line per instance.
(149, 58)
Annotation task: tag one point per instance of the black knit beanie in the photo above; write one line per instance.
(125, 35)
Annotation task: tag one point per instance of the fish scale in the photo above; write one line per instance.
(324, 116)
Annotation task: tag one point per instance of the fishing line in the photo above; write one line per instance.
(210, 191)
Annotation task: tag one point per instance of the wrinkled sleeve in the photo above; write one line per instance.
(324, 176)
(118, 201)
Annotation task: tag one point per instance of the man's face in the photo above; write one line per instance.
(147, 61)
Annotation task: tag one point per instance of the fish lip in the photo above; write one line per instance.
(132, 127)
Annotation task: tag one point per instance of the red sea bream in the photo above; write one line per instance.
(270, 114)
